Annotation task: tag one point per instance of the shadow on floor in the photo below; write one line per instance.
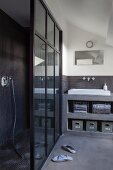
(9, 160)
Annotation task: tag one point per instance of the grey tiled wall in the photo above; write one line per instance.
(77, 82)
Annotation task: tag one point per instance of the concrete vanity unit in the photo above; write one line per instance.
(86, 109)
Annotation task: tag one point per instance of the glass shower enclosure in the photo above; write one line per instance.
(46, 115)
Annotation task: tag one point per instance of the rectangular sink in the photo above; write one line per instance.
(99, 92)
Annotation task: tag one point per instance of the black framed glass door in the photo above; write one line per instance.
(50, 99)
(39, 102)
(46, 83)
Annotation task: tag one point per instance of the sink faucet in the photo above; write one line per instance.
(83, 78)
(88, 78)
(93, 78)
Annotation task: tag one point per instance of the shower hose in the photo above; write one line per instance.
(15, 118)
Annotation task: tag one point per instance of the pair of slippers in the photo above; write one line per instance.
(63, 158)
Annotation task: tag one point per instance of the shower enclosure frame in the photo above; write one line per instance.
(31, 72)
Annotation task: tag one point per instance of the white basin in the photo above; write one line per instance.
(99, 92)
(42, 90)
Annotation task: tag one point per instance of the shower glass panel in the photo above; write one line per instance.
(46, 83)
(57, 82)
(39, 102)
(50, 30)
(40, 18)
(56, 38)
(50, 98)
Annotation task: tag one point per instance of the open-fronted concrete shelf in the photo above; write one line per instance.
(90, 116)
(70, 115)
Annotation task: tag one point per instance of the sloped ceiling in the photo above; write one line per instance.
(95, 16)
(92, 15)
(19, 10)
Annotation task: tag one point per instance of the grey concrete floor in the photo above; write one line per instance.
(93, 153)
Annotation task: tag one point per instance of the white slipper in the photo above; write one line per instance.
(62, 158)
(69, 148)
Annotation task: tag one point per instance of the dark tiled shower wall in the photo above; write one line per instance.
(77, 82)
(12, 63)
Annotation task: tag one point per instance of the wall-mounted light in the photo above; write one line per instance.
(89, 44)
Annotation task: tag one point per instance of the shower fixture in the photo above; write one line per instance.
(5, 81)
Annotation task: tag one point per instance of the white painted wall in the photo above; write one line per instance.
(109, 39)
(92, 15)
(77, 39)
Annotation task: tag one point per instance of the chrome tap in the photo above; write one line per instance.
(93, 78)
(88, 79)
(83, 78)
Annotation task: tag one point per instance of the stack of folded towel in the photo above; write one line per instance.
(80, 108)
(102, 108)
